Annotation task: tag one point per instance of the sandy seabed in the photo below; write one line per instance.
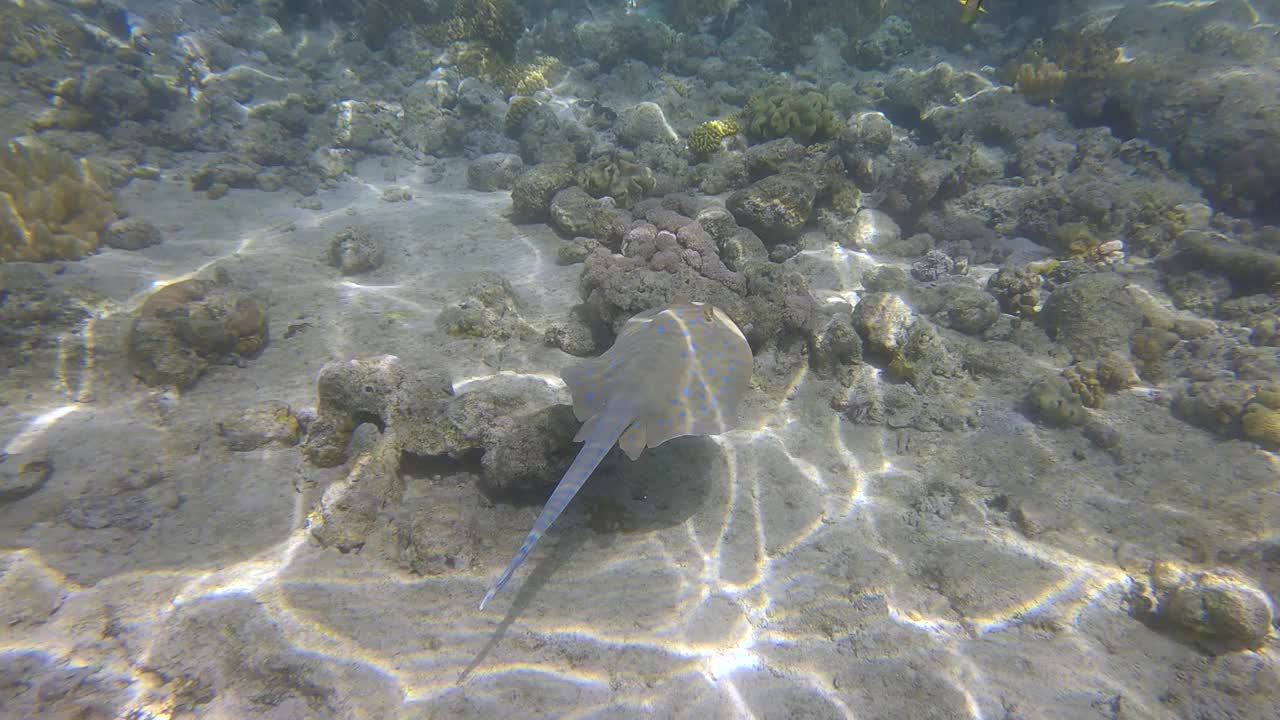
(802, 566)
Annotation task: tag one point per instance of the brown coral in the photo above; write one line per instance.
(1040, 82)
(51, 206)
(1085, 384)
(1261, 418)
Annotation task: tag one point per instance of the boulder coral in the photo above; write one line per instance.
(184, 328)
(1261, 418)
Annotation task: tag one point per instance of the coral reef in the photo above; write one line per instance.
(260, 426)
(1040, 82)
(1214, 405)
(1085, 384)
(517, 110)
(701, 15)
(705, 139)
(52, 207)
(780, 111)
(30, 32)
(184, 328)
(1261, 418)
(1216, 608)
(617, 175)
(643, 123)
(532, 192)
(489, 309)
(131, 234)
(1018, 290)
(495, 23)
(375, 412)
(494, 171)
(577, 214)
(1093, 314)
(1055, 402)
(1246, 267)
(776, 207)
(355, 249)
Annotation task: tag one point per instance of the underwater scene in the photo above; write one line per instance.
(610, 359)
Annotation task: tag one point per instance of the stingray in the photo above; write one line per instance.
(676, 371)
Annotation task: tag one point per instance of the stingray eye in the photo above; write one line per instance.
(709, 312)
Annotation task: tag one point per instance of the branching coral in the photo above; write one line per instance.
(51, 207)
(1040, 82)
(528, 78)
(495, 23)
(475, 59)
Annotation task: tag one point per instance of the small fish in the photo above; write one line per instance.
(970, 11)
(675, 371)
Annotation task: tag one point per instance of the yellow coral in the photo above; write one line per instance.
(525, 78)
(1115, 372)
(1261, 419)
(30, 33)
(495, 23)
(1040, 82)
(51, 206)
(846, 197)
(676, 84)
(1085, 384)
(705, 139)
(517, 111)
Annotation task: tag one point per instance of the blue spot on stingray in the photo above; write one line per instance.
(725, 343)
(720, 353)
(674, 401)
(686, 391)
(711, 371)
(693, 346)
(591, 396)
(681, 413)
(659, 328)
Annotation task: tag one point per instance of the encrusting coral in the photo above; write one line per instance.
(51, 206)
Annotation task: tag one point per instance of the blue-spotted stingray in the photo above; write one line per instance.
(676, 371)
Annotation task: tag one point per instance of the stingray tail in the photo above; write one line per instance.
(605, 430)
